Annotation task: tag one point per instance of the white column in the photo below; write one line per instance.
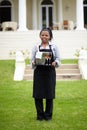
(60, 14)
(34, 15)
(80, 16)
(22, 15)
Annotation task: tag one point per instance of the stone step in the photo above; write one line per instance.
(58, 77)
(68, 66)
(63, 66)
(67, 41)
(59, 71)
(28, 77)
(68, 77)
(64, 72)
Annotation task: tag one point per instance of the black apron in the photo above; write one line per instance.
(44, 79)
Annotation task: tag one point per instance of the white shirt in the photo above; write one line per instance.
(55, 51)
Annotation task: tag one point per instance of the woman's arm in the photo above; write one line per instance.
(57, 60)
(33, 54)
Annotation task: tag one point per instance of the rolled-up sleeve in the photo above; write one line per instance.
(56, 55)
(33, 54)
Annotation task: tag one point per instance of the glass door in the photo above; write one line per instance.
(47, 15)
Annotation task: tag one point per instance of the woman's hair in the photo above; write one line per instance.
(50, 32)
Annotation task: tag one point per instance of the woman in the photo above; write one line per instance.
(44, 79)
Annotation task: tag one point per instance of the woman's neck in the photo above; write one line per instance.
(45, 44)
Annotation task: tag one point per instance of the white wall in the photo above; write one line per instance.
(67, 41)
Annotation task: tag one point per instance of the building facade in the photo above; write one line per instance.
(35, 14)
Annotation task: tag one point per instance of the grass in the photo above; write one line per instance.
(69, 61)
(63, 61)
(17, 110)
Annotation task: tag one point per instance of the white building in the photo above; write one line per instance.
(35, 14)
(32, 15)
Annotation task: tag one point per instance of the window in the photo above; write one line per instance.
(5, 11)
(85, 13)
(47, 13)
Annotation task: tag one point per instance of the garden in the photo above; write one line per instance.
(17, 110)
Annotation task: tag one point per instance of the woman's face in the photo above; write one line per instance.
(45, 36)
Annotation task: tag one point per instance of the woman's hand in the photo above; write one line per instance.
(34, 62)
(54, 63)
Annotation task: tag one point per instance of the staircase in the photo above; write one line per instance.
(64, 72)
(67, 41)
(68, 72)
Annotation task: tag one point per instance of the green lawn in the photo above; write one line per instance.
(69, 61)
(17, 110)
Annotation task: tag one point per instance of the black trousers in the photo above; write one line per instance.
(41, 113)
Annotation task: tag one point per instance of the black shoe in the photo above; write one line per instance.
(40, 118)
(48, 118)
